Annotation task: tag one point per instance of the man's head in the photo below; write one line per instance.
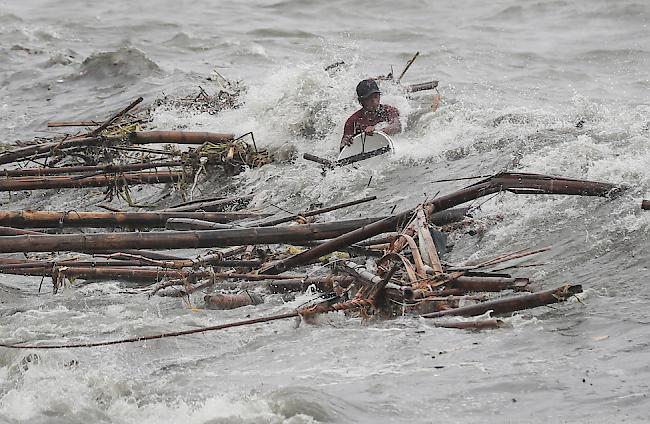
(368, 94)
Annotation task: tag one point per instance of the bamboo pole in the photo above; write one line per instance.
(489, 284)
(56, 219)
(36, 183)
(212, 205)
(232, 301)
(188, 224)
(422, 86)
(115, 117)
(324, 284)
(325, 162)
(177, 240)
(27, 152)
(115, 273)
(179, 137)
(9, 231)
(315, 212)
(54, 124)
(112, 168)
(515, 182)
(408, 65)
(471, 325)
(513, 303)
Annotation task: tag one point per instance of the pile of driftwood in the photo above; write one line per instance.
(384, 266)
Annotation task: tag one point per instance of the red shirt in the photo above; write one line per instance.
(361, 119)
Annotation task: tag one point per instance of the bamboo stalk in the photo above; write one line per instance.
(112, 168)
(489, 284)
(408, 65)
(34, 183)
(9, 231)
(471, 325)
(54, 124)
(513, 303)
(115, 117)
(515, 182)
(188, 224)
(232, 301)
(213, 205)
(179, 137)
(315, 212)
(324, 284)
(422, 86)
(29, 151)
(327, 163)
(176, 240)
(56, 219)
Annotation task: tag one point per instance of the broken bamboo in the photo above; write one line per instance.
(315, 212)
(27, 152)
(515, 182)
(210, 205)
(232, 301)
(430, 85)
(115, 117)
(513, 303)
(471, 325)
(179, 137)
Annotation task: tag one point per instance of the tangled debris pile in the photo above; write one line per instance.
(378, 266)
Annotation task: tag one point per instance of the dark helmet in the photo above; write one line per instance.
(367, 87)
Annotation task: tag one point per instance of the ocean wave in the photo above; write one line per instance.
(184, 40)
(9, 18)
(123, 64)
(280, 33)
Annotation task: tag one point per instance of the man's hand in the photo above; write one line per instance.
(370, 130)
(346, 141)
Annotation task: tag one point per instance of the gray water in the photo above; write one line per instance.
(516, 78)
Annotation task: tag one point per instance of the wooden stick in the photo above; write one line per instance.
(213, 205)
(24, 153)
(115, 117)
(315, 212)
(188, 224)
(73, 124)
(408, 65)
(471, 325)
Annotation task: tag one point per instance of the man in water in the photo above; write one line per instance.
(372, 116)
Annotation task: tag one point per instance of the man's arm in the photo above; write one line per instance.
(393, 125)
(348, 133)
